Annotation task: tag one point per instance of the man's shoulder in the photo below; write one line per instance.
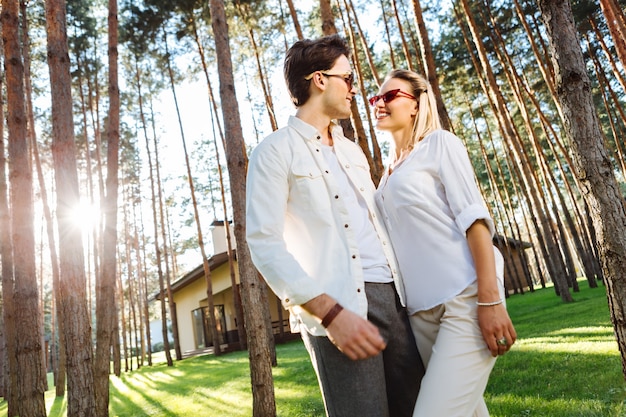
(279, 144)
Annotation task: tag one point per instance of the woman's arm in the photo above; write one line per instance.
(494, 320)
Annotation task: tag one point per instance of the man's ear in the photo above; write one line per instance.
(319, 81)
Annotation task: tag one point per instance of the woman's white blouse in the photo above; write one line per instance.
(428, 203)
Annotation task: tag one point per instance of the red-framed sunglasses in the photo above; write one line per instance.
(389, 96)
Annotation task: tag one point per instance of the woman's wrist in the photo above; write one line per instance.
(489, 303)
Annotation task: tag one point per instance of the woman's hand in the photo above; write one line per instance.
(497, 328)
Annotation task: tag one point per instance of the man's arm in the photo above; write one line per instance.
(356, 337)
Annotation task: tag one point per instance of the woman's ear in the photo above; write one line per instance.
(415, 108)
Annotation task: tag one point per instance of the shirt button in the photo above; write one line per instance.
(384, 243)
(336, 197)
(317, 150)
(345, 225)
(358, 290)
(286, 300)
(319, 137)
(326, 171)
(353, 256)
(347, 165)
(362, 189)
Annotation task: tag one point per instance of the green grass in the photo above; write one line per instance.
(565, 364)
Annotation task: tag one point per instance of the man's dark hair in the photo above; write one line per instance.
(307, 56)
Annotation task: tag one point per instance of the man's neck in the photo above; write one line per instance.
(318, 120)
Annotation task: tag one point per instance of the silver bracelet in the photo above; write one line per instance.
(493, 303)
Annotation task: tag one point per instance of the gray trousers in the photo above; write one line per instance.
(385, 385)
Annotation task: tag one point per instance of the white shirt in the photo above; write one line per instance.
(299, 230)
(375, 268)
(428, 203)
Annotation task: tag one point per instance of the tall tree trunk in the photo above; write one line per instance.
(617, 28)
(405, 46)
(294, 18)
(265, 86)
(32, 142)
(590, 157)
(72, 302)
(157, 248)
(254, 291)
(366, 50)
(205, 261)
(142, 280)
(9, 370)
(374, 160)
(54, 260)
(509, 133)
(106, 306)
(607, 53)
(329, 28)
(429, 64)
(241, 331)
(29, 391)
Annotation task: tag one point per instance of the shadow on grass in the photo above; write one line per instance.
(191, 387)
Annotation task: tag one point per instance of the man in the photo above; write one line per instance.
(315, 236)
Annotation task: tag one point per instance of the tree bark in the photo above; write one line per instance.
(29, 391)
(616, 26)
(9, 370)
(73, 302)
(256, 312)
(106, 305)
(591, 162)
(429, 64)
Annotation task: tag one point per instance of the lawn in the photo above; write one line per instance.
(564, 364)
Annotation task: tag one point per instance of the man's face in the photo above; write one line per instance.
(340, 89)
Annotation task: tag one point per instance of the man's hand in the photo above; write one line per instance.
(356, 337)
(353, 335)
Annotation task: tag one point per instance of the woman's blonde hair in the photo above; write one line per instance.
(427, 119)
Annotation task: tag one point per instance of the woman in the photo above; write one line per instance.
(442, 234)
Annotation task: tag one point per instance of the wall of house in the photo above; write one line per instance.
(193, 296)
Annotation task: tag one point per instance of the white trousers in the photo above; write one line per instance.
(456, 357)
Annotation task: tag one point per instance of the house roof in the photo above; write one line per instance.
(215, 262)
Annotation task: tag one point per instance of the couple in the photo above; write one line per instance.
(321, 236)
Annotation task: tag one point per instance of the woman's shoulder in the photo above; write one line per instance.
(443, 139)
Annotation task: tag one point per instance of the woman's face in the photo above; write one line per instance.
(395, 111)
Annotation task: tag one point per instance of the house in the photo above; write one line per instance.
(190, 296)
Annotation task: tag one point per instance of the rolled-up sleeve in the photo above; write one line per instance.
(459, 181)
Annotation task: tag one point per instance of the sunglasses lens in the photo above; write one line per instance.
(390, 95)
(386, 98)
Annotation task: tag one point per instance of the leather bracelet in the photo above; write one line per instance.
(490, 304)
(332, 313)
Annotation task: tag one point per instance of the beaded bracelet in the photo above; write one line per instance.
(332, 313)
(493, 303)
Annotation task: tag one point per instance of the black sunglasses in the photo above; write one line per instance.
(389, 96)
(348, 77)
